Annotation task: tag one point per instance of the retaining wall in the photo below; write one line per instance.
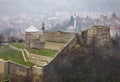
(17, 71)
(58, 62)
(2, 68)
(66, 47)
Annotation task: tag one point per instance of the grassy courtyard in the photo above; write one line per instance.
(18, 45)
(16, 56)
(43, 52)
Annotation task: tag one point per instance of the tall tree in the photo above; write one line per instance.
(2, 38)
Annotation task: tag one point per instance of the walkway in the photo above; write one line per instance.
(37, 59)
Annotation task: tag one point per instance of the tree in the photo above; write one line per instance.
(1, 38)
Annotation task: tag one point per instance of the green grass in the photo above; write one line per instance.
(18, 45)
(15, 56)
(44, 52)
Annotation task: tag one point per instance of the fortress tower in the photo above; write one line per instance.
(31, 34)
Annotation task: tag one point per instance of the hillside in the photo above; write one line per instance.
(86, 64)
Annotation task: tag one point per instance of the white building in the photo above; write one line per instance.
(31, 34)
(73, 28)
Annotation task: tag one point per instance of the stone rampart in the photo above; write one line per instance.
(58, 61)
(11, 70)
(14, 68)
(37, 73)
(57, 38)
(53, 45)
(2, 68)
(17, 71)
(66, 47)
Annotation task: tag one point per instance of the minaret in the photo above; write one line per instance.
(43, 28)
(75, 22)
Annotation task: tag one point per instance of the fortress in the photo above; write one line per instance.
(46, 40)
(61, 41)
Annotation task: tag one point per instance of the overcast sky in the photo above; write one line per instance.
(59, 5)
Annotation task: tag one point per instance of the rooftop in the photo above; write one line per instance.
(115, 27)
(31, 29)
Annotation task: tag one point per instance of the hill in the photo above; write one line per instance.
(86, 64)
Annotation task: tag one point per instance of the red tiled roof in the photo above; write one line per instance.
(115, 27)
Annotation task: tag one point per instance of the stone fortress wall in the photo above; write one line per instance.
(57, 37)
(2, 68)
(17, 71)
(54, 41)
(66, 47)
(9, 68)
(34, 74)
(100, 35)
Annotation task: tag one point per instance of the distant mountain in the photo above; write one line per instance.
(30, 6)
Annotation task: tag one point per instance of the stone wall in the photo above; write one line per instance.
(48, 39)
(66, 47)
(37, 44)
(53, 45)
(11, 70)
(19, 73)
(83, 37)
(57, 39)
(14, 68)
(47, 45)
(50, 73)
(98, 36)
(2, 68)
(37, 73)
(29, 37)
(51, 41)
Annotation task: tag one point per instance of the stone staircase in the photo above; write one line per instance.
(37, 59)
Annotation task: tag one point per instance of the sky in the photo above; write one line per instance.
(13, 6)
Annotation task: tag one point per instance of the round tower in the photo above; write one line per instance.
(31, 34)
